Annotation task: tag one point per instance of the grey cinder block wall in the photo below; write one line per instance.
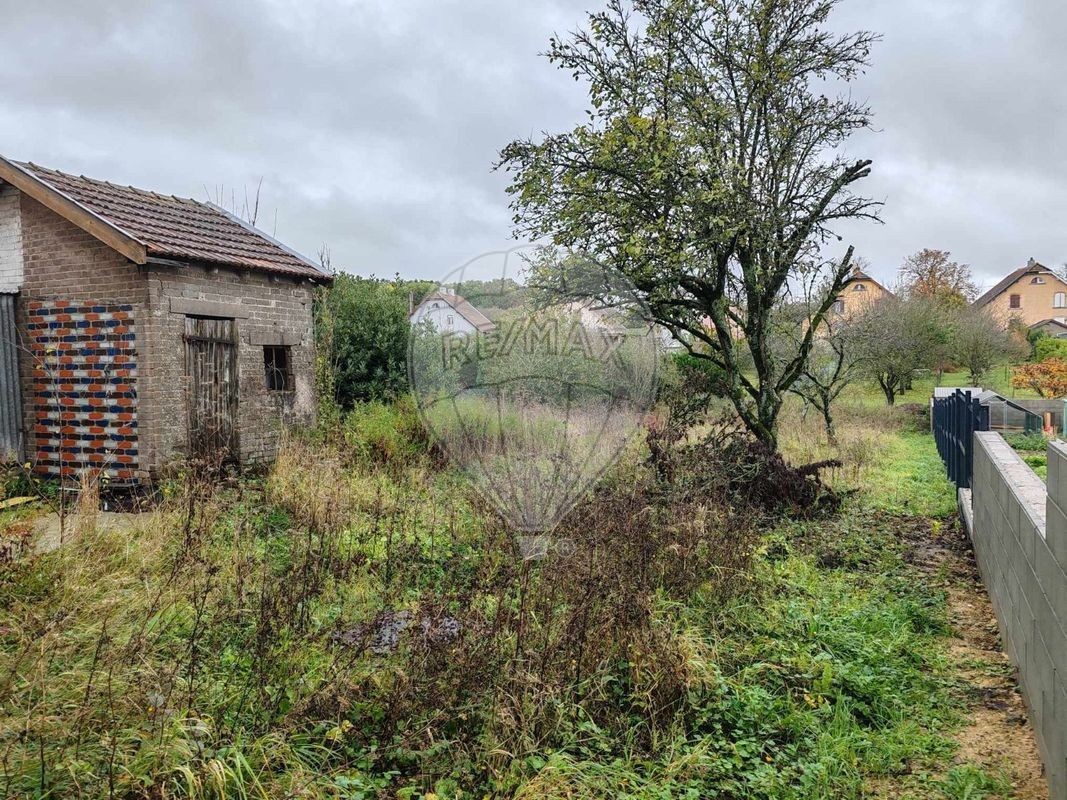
(1018, 525)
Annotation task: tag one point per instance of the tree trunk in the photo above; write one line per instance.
(828, 421)
(889, 389)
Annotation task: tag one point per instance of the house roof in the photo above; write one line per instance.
(1049, 322)
(463, 308)
(143, 225)
(608, 318)
(1031, 267)
(858, 274)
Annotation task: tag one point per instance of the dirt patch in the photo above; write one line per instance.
(997, 735)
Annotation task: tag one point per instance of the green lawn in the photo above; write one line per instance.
(909, 477)
(997, 379)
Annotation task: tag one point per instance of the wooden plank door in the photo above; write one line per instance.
(211, 365)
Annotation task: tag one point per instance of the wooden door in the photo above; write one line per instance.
(211, 366)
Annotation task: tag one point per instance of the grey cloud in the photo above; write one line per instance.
(970, 113)
(374, 124)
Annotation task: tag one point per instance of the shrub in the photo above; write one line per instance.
(362, 323)
(917, 416)
(1048, 347)
(385, 432)
(713, 375)
(1026, 441)
(1048, 378)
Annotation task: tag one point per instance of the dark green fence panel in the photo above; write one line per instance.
(955, 419)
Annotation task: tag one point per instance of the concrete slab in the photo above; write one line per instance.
(48, 535)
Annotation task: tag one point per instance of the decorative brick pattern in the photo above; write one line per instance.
(84, 387)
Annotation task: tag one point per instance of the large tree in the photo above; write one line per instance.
(708, 172)
(980, 342)
(932, 274)
(896, 337)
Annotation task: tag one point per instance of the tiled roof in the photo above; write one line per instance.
(464, 308)
(178, 228)
(1012, 277)
(858, 274)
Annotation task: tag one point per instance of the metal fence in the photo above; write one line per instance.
(10, 399)
(955, 419)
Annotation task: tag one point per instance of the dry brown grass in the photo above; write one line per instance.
(862, 430)
(311, 483)
(88, 504)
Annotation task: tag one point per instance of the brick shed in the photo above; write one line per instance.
(138, 328)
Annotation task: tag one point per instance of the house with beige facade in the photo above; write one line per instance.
(857, 293)
(138, 328)
(1033, 294)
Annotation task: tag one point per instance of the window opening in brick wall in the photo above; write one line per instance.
(278, 365)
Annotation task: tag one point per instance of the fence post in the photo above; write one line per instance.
(951, 444)
(974, 418)
(962, 404)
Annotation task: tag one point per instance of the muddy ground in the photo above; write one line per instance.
(997, 734)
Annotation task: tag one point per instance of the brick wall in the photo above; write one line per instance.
(10, 239)
(1018, 526)
(73, 283)
(266, 311)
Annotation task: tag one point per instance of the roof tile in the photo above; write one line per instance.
(175, 227)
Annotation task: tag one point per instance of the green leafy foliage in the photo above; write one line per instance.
(1048, 347)
(362, 330)
(969, 782)
(385, 433)
(714, 376)
(1027, 441)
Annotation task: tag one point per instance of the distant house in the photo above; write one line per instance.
(1034, 294)
(590, 315)
(450, 313)
(1056, 328)
(857, 293)
(136, 328)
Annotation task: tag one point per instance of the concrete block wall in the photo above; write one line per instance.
(1019, 531)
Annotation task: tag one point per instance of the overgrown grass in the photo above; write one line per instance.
(357, 625)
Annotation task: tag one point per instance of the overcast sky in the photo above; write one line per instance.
(374, 123)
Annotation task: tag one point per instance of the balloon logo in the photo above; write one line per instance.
(533, 380)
